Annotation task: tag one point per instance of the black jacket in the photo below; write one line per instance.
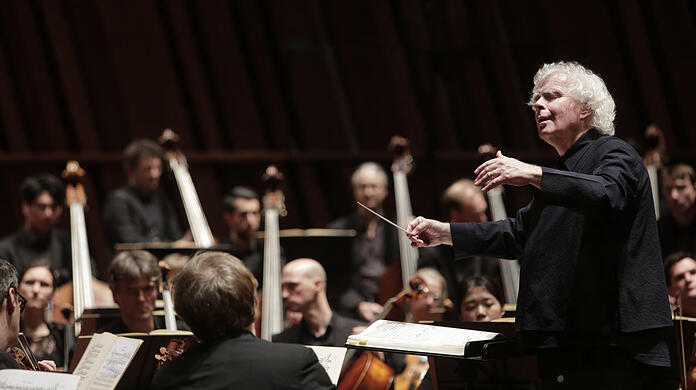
(588, 250)
(243, 362)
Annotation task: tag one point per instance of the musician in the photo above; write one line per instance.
(304, 290)
(47, 339)
(481, 300)
(680, 272)
(430, 306)
(591, 287)
(374, 247)
(43, 199)
(216, 296)
(243, 218)
(678, 227)
(137, 212)
(462, 201)
(134, 279)
(12, 306)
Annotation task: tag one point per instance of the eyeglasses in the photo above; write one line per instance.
(20, 298)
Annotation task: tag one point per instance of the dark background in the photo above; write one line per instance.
(318, 86)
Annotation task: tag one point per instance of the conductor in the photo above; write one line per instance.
(592, 299)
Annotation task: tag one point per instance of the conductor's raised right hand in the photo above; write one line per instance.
(428, 232)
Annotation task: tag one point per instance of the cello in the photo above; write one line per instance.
(406, 267)
(509, 269)
(84, 291)
(200, 230)
(273, 208)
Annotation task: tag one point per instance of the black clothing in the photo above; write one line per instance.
(118, 326)
(51, 346)
(364, 281)
(131, 217)
(243, 362)
(23, 247)
(674, 238)
(589, 253)
(336, 334)
(456, 272)
(7, 361)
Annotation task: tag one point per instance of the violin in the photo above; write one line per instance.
(367, 372)
(22, 354)
(174, 349)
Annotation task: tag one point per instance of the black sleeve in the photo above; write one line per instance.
(503, 239)
(613, 184)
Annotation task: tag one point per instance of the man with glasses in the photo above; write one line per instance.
(134, 278)
(13, 304)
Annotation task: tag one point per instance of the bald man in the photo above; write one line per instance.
(304, 290)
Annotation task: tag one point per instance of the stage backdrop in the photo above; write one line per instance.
(318, 86)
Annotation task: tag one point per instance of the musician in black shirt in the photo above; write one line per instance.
(137, 212)
(592, 296)
(43, 199)
(304, 290)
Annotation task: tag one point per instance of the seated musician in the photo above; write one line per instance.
(481, 300)
(462, 201)
(43, 199)
(216, 296)
(134, 278)
(137, 212)
(680, 273)
(13, 304)
(304, 290)
(374, 247)
(46, 339)
(243, 218)
(432, 305)
(678, 227)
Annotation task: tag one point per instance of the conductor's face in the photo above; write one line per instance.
(369, 188)
(146, 175)
(558, 115)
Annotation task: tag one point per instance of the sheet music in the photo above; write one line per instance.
(105, 360)
(37, 380)
(418, 337)
(331, 358)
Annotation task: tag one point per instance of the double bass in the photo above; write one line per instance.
(198, 223)
(509, 269)
(84, 291)
(399, 274)
(200, 230)
(273, 208)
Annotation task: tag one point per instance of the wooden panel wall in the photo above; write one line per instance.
(318, 86)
